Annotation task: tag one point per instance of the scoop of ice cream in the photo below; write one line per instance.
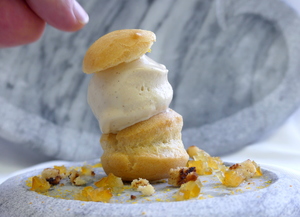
(129, 93)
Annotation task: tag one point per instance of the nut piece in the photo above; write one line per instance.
(182, 175)
(132, 197)
(51, 175)
(75, 178)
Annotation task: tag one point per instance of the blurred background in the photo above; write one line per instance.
(233, 64)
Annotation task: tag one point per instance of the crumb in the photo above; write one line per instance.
(143, 185)
(79, 181)
(132, 197)
(139, 182)
(146, 190)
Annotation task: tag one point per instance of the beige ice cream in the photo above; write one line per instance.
(129, 93)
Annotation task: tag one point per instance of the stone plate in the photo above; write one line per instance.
(233, 64)
(276, 193)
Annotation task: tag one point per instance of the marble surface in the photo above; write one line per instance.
(233, 65)
(277, 195)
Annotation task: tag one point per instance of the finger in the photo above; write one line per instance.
(66, 15)
(18, 24)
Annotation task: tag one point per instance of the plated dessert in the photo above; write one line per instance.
(129, 94)
(89, 182)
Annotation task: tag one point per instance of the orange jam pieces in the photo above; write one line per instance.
(189, 190)
(112, 182)
(214, 162)
(100, 195)
(232, 178)
(258, 171)
(194, 150)
(238, 173)
(62, 170)
(83, 195)
(97, 165)
(86, 190)
(204, 163)
(97, 195)
(39, 184)
(229, 176)
(201, 167)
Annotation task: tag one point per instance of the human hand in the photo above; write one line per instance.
(23, 21)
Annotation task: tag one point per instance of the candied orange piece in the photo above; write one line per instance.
(201, 167)
(83, 195)
(247, 168)
(111, 181)
(192, 151)
(62, 169)
(197, 153)
(100, 195)
(189, 190)
(39, 184)
(87, 170)
(97, 195)
(237, 173)
(232, 178)
(86, 190)
(214, 162)
(222, 168)
(258, 171)
(97, 165)
(204, 163)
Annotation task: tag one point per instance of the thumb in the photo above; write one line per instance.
(66, 15)
(18, 24)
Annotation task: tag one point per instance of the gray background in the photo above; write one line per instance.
(233, 66)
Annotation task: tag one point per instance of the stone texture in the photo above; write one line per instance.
(233, 64)
(280, 198)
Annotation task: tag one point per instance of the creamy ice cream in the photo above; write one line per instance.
(129, 93)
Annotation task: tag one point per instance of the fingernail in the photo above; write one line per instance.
(80, 13)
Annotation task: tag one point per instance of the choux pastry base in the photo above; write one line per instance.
(148, 149)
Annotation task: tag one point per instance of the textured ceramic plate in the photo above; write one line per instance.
(273, 193)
